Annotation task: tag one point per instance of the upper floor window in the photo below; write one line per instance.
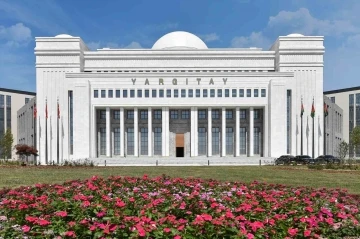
(183, 93)
(110, 93)
(117, 93)
(147, 94)
(185, 114)
(241, 92)
(197, 93)
(176, 93)
(157, 114)
(161, 93)
(173, 114)
(153, 93)
(103, 93)
(242, 114)
(168, 93)
(215, 114)
(212, 93)
(263, 92)
(227, 93)
(248, 92)
(219, 94)
(202, 114)
(190, 93)
(205, 93)
(233, 93)
(332, 99)
(256, 114)
(116, 114)
(102, 114)
(229, 114)
(27, 100)
(143, 114)
(256, 93)
(130, 114)
(125, 93)
(96, 94)
(139, 93)
(132, 93)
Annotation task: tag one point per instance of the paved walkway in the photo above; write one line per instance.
(173, 161)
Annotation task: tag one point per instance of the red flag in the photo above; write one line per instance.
(312, 110)
(58, 109)
(35, 111)
(46, 111)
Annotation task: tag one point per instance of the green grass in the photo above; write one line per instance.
(294, 176)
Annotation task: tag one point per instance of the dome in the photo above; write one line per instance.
(295, 35)
(63, 36)
(179, 40)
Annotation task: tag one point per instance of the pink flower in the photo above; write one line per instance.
(43, 222)
(167, 230)
(177, 237)
(307, 233)
(292, 231)
(31, 219)
(61, 214)
(70, 234)
(25, 228)
(250, 236)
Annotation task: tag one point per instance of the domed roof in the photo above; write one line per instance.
(63, 36)
(179, 40)
(295, 35)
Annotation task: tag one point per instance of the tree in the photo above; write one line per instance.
(343, 150)
(24, 151)
(6, 144)
(355, 138)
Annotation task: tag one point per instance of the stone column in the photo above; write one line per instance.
(122, 132)
(209, 139)
(94, 136)
(223, 132)
(194, 132)
(251, 132)
(136, 133)
(237, 132)
(196, 144)
(165, 131)
(265, 134)
(150, 148)
(108, 133)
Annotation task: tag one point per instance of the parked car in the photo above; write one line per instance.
(304, 159)
(326, 159)
(285, 159)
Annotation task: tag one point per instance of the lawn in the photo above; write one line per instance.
(294, 176)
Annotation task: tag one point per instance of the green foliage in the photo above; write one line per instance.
(79, 163)
(355, 137)
(343, 150)
(6, 143)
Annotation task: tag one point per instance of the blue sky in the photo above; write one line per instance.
(139, 23)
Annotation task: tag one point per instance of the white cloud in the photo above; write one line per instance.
(113, 45)
(15, 35)
(210, 37)
(255, 39)
(93, 45)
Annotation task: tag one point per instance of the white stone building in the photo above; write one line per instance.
(178, 98)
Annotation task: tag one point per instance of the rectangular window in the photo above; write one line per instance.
(332, 99)
(157, 141)
(190, 93)
(110, 93)
(8, 115)
(117, 93)
(117, 141)
(132, 93)
(157, 114)
(219, 93)
(248, 92)
(143, 114)
(125, 95)
(256, 93)
(153, 93)
(205, 93)
(242, 114)
(161, 93)
(215, 141)
(202, 141)
(183, 93)
(185, 114)
(242, 140)
(288, 121)
(144, 141)
(176, 93)
(241, 92)
(227, 93)
(229, 141)
(173, 114)
(263, 92)
(229, 114)
(102, 114)
(168, 93)
(357, 118)
(130, 114)
(147, 94)
(197, 92)
(116, 114)
(233, 93)
(202, 114)
(130, 141)
(71, 119)
(256, 140)
(215, 114)
(139, 93)
(2, 115)
(103, 93)
(256, 113)
(102, 141)
(27, 100)
(212, 93)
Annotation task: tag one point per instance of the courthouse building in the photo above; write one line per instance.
(179, 98)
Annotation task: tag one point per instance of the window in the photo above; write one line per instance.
(143, 114)
(153, 93)
(143, 141)
(202, 141)
(205, 93)
(27, 100)
(332, 99)
(183, 93)
(190, 93)
(117, 93)
(233, 93)
(256, 140)
(132, 93)
(219, 93)
(288, 120)
(185, 114)
(229, 140)
(96, 95)
(102, 141)
(242, 140)
(176, 93)
(117, 141)
(256, 113)
(256, 93)
(130, 141)
(241, 92)
(103, 94)
(147, 93)
(130, 114)
(116, 114)
(202, 114)
(157, 114)
(168, 93)
(157, 141)
(71, 119)
(242, 114)
(215, 114)
(102, 114)
(215, 141)
(161, 93)
(263, 92)
(229, 114)
(173, 114)
(125, 95)
(212, 93)
(248, 92)
(227, 93)
(139, 93)
(2, 115)
(197, 92)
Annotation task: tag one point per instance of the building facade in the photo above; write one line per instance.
(178, 98)
(10, 102)
(333, 128)
(348, 99)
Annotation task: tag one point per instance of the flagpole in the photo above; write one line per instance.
(313, 134)
(46, 134)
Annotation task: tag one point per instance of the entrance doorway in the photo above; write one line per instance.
(179, 145)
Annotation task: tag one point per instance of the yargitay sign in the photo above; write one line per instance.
(176, 81)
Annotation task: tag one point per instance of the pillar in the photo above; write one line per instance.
(165, 131)
(223, 132)
(196, 118)
(122, 132)
(265, 134)
(251, 132)
(194, 132)
(237, 132)
(108, 133)
(136, 133)
(94, 136)
(209, 139)
(150, 148)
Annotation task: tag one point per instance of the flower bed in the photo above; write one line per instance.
(163, 207)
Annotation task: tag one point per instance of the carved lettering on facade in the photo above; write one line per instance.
(225, 80)
(211, 81)
(198, 80)
(161, 81)
(174, 81)
(133, 80)
(146, 81)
